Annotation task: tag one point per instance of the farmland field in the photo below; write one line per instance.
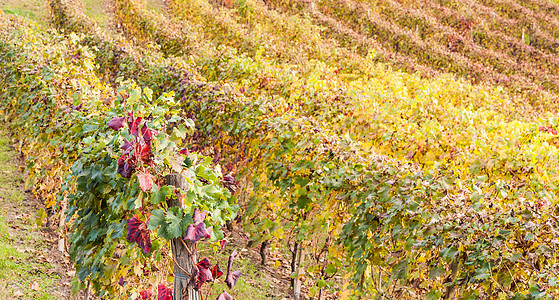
(305, 149)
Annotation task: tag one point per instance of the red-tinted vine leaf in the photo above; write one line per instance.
(205, 263)
(146, 181)
(216, 271)
(133, 124)
(121, 281)
(138, 233)
(143, 152)
(116, 123)
(224, 296)
(164, 293)
(125, 168)
(196, 233)
(203, 274)
(146, 294)
(229, 182)
(230, 260)
(147, 134)
(198, 217)
(223, 244)
(232, 277)
(184, 151)
(127, 147)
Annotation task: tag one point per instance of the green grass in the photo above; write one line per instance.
(36, 10)
(155, 6)
(95, 9)
(253, 283)
(20, 244)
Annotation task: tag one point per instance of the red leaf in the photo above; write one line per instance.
(127, 147)
(229, 182)
(146, 294)
(143, 152)
(164, 293)
(121, 281)
(116, 123)
(146, 181)
(125, 168)
(196, 233)
(224, 296)
(230, 260)
(204, 273)
(147, 134)
(232, 277)
(133, 124)
(216, 271)
(201, 274)
(204, 263)
(184, 151)
(198, 217)
(138, 233)
(223, 243)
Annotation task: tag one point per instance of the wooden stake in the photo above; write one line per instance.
(183, 257)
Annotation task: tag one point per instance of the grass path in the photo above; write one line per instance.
(31, 267)
(37, 10)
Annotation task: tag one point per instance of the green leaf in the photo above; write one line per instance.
(433, 295)
(41, 216)
(436, 272)
(174, 228)
(535, 292)
(159, 195)
(400, 271)
(157, 219)
(134, 96)
(331, 269)
(303, 201)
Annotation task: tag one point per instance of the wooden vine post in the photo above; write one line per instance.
(183, 257)
(295, 268)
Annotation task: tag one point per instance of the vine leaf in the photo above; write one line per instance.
(198, 217)
(147, 134)
(127, 147)
(198, 230)
(232, 277)
(174, 223)
(125, 168)
(196, 233)
(224, 296)
(203, 274)
(229, 182)
(116, 123)
(216, 271)
(164, 293)
(145, 294)
(223, 243)
(133, 124)
(146, 181)
(138, 233)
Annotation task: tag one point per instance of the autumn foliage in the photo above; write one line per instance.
(435, 183)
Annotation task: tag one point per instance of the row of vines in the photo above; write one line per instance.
(397, 185)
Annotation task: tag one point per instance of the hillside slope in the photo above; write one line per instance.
(404, 149)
